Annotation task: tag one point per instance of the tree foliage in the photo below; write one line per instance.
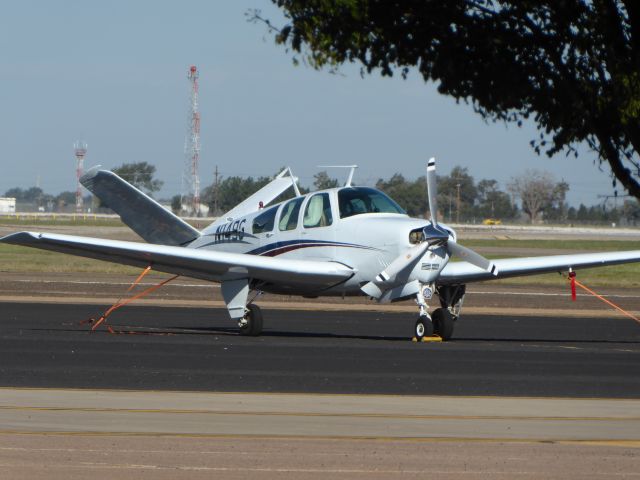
(573, 66)
(631, 211)
(232, 191)
(322, 181)
(539, 192)
(477, 202)
(493, 202)
(459, 181)
(27, 195)
(140, 175)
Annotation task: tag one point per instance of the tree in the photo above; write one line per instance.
(558, 209)
(176, 204)
(459, 184)
(65, 198)
(412, 196)
(573, 66)
(538, 191)
(494, 203)
(631, 211)
(322, 181)
(140, 175)
(232, 191)
(29, 195)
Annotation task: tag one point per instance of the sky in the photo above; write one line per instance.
(114, 74)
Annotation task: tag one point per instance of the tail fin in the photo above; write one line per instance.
(141, 213)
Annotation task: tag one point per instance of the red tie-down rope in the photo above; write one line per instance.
(574, 282)
(121, 303)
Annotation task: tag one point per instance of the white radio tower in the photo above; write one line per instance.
(190, 180)
(80, 149)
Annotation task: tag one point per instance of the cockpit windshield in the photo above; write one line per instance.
(358, 200)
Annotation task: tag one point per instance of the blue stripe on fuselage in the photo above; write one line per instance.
(289, 245)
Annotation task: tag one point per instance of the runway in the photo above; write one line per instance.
(198, 349)
(177, 393)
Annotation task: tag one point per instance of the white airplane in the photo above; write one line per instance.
(342, 241)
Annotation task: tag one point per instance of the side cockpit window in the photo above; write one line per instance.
(318, 211)
(289, 215)
(264, 222)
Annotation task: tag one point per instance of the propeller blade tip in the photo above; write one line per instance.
(431, 164)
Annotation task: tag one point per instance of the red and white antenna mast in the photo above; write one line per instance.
(80, 149)
(190, 179)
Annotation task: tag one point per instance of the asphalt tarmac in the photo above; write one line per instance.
(198, 349)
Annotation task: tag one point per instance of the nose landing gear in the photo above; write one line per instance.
(423, 329)
(439, 325)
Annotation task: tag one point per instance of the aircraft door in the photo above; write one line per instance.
(285, 238)
(317, 231)
(263, 229)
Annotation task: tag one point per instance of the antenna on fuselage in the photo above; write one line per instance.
(351, 172)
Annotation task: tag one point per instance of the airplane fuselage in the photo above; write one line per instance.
(323, 226)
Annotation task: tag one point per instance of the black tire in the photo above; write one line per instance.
(443, 323)
(253, 328)
(423, 327)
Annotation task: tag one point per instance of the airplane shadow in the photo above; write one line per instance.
(233, 332)
(215, 331)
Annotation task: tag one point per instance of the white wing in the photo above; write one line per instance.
(464, 272)
(204, 264)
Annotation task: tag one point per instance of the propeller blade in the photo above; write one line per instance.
(432, 190)
(401, 264)
(472, 257)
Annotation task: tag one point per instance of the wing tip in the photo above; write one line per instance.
(20, 238)
(92, 173)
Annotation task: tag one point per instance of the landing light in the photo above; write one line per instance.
(416, 236)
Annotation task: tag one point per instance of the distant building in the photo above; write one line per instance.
(7, 205)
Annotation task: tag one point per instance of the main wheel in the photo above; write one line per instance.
(253, 325)
(443, 323)
(423, 328)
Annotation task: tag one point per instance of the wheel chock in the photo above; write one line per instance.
(431, 339)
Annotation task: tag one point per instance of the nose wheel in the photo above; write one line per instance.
(423, 327)
(251, 323)
(443, 323)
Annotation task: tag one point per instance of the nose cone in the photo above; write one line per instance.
(434, 234)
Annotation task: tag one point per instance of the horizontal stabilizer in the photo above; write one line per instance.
(141, 213)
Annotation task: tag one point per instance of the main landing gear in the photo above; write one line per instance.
(235, 292)
(251, 323)
(439, 325)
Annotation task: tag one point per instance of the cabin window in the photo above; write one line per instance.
(358, 200)
(264, 222)
(289, 215)
(318, 212)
